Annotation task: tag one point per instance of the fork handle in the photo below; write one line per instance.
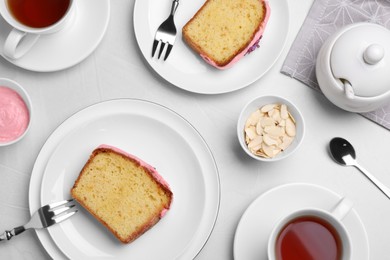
(7, 235)
(175, 4)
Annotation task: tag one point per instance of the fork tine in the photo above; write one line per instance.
(169, 48)
(155, 43)
(166, 33)
(161, 49)
(59, 204)
(62, 210)
(65, 215)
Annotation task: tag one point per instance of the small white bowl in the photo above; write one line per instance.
(23, 94)
(259, 102)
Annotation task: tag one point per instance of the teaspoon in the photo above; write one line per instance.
(344, 153)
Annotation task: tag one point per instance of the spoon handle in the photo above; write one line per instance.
(374, 180)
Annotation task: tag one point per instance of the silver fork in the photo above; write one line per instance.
(44, 217)
(166, 33)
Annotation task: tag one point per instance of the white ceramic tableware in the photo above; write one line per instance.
(334, 218)
(147, 130)
(22, 37)
(257, 103)
(52, 52)
(353, 66)
(258, 220)
(26, 98)
(186, 70)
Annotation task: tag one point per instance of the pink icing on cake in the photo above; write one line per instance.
(254, 41)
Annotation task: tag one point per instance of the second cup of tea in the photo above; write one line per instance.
(32, 18)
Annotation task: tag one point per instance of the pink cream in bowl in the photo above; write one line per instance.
(14, 112)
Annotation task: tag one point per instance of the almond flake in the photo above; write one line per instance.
(277, 116)
(251, 132)
(292, 118)
(266, 121)
(255, 142)
(247, 139)
(261, 154)
(253, 118)
(276, 151)
(268, 150)
(286, 142)
(267, 108)
(290, 127)
(271, 112)
(275, 131)
(255, 149)
(283, 111)
(269, 140)
(259, 128)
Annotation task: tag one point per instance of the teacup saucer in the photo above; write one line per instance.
(69, 46)
(255, 226)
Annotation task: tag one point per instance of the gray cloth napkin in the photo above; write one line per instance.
(324, 18)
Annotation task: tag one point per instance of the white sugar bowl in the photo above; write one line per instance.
(353, 67)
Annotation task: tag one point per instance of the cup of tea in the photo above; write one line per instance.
(32, 18)
(312, 234)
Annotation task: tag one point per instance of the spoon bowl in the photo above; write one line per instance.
(339, 149)
(344, 153)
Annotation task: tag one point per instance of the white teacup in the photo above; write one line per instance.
(333, 219)
(23, 37)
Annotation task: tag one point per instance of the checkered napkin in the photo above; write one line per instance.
(324, 18)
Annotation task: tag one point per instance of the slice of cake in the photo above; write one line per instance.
(124, 193)
(223, 31)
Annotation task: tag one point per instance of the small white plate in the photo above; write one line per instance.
(151, 132)
(187, 70)
(69, 46)
(255, 226)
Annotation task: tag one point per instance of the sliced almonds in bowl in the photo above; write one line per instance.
(269, 130)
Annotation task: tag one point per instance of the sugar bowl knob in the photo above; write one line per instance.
(374, 54)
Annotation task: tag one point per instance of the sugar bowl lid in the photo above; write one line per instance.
(360, 58)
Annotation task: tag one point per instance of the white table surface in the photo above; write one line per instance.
(118, 70)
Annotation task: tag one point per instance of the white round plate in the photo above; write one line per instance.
(185, 69)
(69, 46)
(160, 137)
(256, 224)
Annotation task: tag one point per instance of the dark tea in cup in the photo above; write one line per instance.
(38, 13)
(308, 237)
